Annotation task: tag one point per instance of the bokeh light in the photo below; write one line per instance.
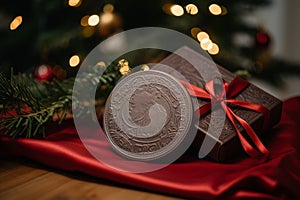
(195, 31)
(108, 8)
(145, 67)
(106, 18)
(84, 20)
(177, 10)
(214, 50)
(93, 20)
(101, 64)
(74, 61)
(202, 35)
(224, 10)
(16, 22)
(215, 9)
(191, 9)
(74, 3)
(206, 44)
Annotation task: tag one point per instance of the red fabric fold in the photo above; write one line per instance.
(276, 178)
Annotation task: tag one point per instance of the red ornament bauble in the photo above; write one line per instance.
(262, 39)
(44, 73)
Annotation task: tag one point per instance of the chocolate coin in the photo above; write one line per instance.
(148, 116)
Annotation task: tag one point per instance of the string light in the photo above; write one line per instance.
(84, 20)
(74, 61)
(74, 3)
(195, 31)
(145, 67)
(108, 8)
(209, 46)
(16, 22)
(224, 10)
(214, 50)
(177, 10)
(101, 64)
(106, 18)
(191, 9)
(167, 8)
(215, 9)
(206, 44)
(202, 35)
(93, 20)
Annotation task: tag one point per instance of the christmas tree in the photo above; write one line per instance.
(50, 39)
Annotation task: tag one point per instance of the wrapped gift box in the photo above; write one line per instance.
(227, 144)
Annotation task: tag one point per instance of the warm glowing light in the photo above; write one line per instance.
(106, 18)
(209, 46)
(84, 20)
(43, 71)
(191, 9)
(16, 22)
(224, 10)
(124, 66)
(206, 44)
(108, 8)
(195, 31)
(74, 61)
(145, 67)
(101, 64)
(177, 10)
(202, 35)
(214, 50)
(167, 8)
(124, 70)
(215, 9)
(93, 20)
(74, 3)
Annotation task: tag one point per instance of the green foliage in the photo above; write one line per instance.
(28, 105)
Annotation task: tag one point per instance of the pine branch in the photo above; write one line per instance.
(27, 105)
(32, 123)
(13, 94)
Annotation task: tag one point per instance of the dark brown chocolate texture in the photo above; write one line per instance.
(228, 144)
(148, 115)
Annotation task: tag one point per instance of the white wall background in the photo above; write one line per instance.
(291, 27)
(282, 20)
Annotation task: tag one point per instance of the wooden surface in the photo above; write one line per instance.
(24, 179)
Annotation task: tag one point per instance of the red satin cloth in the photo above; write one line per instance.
(276, 178)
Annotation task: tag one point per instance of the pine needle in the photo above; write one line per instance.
(26, 105)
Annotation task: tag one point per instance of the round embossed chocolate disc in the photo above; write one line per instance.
(148, 115)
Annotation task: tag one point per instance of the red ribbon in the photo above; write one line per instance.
(226, 94)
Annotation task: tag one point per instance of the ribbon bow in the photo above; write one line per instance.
(225, 95)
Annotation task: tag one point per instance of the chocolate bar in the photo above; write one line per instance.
(227, 144)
